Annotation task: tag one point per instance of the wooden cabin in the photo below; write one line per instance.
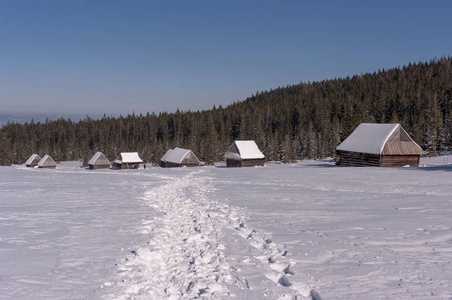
(47, 162)
(33, 161)
(127, 160)
(99, 161)
(244, 154)
(179, 157)
(379, 145)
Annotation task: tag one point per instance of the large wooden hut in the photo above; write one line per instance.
(33, 161)
(99, 161)
(127, 160)
(244, 154)
(379, 145)
(179, 157)
(47, 162)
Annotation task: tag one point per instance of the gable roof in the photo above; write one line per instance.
(380, 139)
(245, 150)
(100, 158)
(130, 157)
(33, 158)
(46, 161)
(177, 155)
(166, 155)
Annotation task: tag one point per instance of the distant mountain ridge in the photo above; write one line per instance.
(23, 118)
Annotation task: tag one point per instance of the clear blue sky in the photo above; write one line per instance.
(118, 57)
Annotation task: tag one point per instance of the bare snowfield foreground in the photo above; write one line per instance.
(309, 230)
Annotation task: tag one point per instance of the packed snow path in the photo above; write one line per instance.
(200, 248)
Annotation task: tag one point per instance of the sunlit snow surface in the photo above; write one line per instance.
(295, 231)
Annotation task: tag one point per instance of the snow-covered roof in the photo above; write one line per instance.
(46, 161)
(368, 138)
(371, 138)
(246, 150)
(32, 158)
(130, 157)
(96, 156)
(166, 155)
(176, 155)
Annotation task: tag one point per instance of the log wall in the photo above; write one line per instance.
(356, 159)
(95, 167)
(165, 164)
(232, 163)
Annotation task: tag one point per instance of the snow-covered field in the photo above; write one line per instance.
(309, 230)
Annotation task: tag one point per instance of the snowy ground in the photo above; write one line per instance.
(299, 231)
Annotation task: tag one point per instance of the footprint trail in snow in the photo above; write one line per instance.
(200, 248)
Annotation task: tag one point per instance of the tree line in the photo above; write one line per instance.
(306, 120)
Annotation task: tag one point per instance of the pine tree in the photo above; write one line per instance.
(5, 159)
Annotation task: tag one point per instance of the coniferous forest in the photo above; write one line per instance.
(307, 120)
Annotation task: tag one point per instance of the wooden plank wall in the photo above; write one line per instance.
(190, 160)
(400, 160)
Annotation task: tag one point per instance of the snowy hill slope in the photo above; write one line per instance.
(300, 231)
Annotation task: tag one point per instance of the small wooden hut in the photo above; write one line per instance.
(179, 157)
(99, 161)
(379, 145)
(244, 154)
(47, 162)
(127, 160)
(33, 161)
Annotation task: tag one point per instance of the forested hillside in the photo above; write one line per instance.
(306, 120)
